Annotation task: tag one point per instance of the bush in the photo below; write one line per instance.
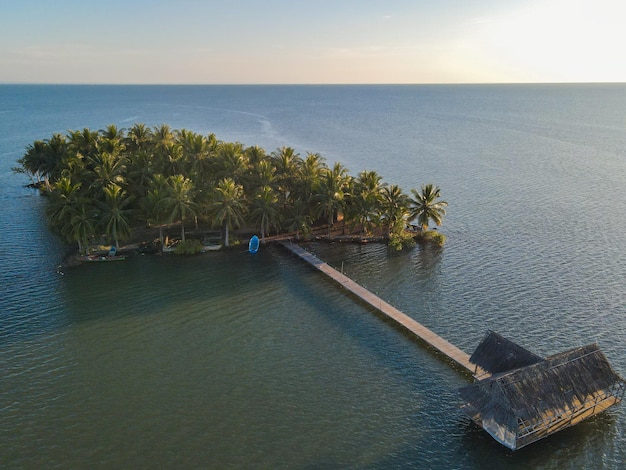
(188, 247)
(400, 238)
(433, 236)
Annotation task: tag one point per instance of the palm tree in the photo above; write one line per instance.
(394, 206)
(170, 160)
(264, 210)
(179, 201)
(108, 169)
(331, 193)
(84, 142)
(426, 206)
(138, 138)
(57, 156)
(44, 160)
(162, 136)
(364, 201)
(196, 157)
(261, 174)
(255, 155)
(140, 173)
(153, 207)
(308, 177)
(112, 140)
(162, 141)
(363, 210)
(298, 218)
(82, 226)
(231, 162)
(70, 214)
(226, 206)
(288, 164)
(33, 163)
(115, 215)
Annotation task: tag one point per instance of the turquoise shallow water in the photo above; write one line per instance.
(231, 361)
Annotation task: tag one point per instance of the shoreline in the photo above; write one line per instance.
(149, 236)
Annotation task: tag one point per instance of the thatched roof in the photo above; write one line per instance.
(497, 354)
(553, 389)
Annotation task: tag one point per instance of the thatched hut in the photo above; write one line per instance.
(496, 354)
(525, 404)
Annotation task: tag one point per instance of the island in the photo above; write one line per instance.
(114, 185)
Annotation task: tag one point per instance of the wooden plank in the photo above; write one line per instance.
(432, 339)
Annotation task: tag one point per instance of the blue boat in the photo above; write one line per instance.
(253, 244)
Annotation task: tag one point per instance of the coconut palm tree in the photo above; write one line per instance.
(162, 136)
(255, 155)
(394, 213)
(32, 163)
(308, 177)
(331, 193)
(57, 156)
(227, 206)
(140, 172)
(170, 160)
(260, 175)
(298, 218)
(84, 142)
(363, 208)
(153, 207)
(364, 201)
(426, 206)
(138, 138)
(115, 218)
(288, 164)
(196, 158)
(44, 160)
(111, 140)
(394, 206)
(231, 162)
(108, 168)
(82, 226)
(70, 214)
(264, 210)
(179, 201)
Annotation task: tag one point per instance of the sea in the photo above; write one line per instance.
(232, 360)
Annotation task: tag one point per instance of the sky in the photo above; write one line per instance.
(312, 41)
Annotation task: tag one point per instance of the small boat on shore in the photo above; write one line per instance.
(111, 256)
(253, 244)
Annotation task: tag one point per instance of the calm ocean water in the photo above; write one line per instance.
(233, 361)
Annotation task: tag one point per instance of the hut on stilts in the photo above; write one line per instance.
(523, 397)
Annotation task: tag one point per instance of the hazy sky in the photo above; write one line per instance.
(312, 41)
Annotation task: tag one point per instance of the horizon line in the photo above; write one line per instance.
(309, 84)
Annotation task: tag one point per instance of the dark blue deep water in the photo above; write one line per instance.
(232, 361)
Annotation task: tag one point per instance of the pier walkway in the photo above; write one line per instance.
(431, 339)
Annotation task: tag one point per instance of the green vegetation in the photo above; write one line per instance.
(188, 247)
(433, 236)
(107, 183)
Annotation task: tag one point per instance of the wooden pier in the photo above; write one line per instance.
(431, 339)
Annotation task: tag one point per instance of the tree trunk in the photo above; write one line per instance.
(226, 234)
(330, 225)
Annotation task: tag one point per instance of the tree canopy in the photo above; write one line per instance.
(107, 182)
